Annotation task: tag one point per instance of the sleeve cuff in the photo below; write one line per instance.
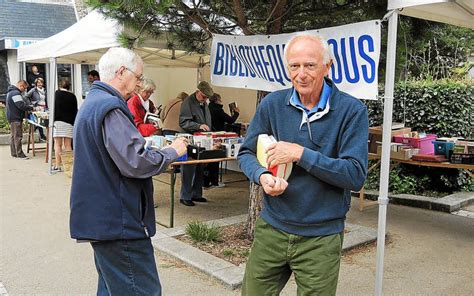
(307, 159)
(170, 153)
(258, 173)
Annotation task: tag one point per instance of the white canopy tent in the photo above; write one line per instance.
(86, 41)
(455, 12)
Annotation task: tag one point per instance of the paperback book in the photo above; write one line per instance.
(281, 170)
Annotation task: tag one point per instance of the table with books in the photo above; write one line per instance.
(427, 150)
(37, 119)
(200, 151)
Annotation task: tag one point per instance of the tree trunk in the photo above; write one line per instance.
(255, 207)
(256, 193)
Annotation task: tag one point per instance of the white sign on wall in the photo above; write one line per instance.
(257, 62)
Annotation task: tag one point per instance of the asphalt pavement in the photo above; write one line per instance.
(428, 253)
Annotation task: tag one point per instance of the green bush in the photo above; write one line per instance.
(4, 125)
(422, 180)
(442, 107)
(201, 232)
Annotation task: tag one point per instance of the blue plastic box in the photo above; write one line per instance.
(443, 148)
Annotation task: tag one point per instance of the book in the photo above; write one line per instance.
(232, 107)
(281, 170)
(153, 118)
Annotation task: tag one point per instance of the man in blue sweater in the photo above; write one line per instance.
(112, 189)
(323, 132)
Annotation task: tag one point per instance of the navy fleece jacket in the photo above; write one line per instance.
(333, 163)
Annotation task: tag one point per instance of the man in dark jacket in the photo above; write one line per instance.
(194, 117)
(17, 106)
(112, 189)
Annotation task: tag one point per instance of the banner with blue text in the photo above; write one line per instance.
(257, 62)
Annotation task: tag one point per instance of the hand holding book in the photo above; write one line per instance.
(276, 156)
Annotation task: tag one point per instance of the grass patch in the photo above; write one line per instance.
(201, 232)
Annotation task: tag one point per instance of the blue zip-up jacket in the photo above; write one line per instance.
(17, 106)
(333, 163)
(105, 205)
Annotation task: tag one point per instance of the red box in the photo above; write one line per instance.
(424, 144)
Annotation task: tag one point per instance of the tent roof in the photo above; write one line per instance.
(88, 39)
(454, 12)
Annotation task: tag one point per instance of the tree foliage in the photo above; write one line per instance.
(192, 23)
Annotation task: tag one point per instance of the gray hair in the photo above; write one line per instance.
(115, 58)
(315, 37)
(148, 85)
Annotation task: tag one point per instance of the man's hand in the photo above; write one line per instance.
(180, 145)
(204, 127)
(236, 109)
(273, 186)
(283, 152)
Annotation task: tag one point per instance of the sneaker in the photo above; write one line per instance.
(23, 156)
(219, 185)
(56, 170)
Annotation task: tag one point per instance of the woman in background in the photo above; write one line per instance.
(140, 104)
(65, 111)
(37, 96)
(219, 118)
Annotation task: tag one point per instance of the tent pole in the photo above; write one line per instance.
(386, 139)
(51, 90)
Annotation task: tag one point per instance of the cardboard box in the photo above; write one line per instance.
(403, 153)
(375, 135)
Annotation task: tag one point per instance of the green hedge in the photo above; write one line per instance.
(442, 107)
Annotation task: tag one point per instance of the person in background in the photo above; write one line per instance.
(171, 115)
(92, 76)
(37, 96)
(17, 107)
(194, 116)
(112, 189)
(323, 132)
(32, 76)
(65, 111)
(219, 119)
(140, 104)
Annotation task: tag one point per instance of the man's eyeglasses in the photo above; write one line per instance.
(139, 77)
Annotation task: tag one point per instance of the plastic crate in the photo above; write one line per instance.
(462, 158)
(443, 148)
(424, 144)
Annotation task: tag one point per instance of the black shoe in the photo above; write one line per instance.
(200, 199)
(188, 203)
(23, 156)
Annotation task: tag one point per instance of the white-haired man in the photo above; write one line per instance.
(324, 132)
(112, 190)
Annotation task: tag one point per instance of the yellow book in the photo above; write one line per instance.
(281, 170)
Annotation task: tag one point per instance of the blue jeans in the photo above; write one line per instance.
(126, 267)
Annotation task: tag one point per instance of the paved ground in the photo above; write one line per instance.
(429, 253)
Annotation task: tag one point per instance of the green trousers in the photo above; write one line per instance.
(276, 254)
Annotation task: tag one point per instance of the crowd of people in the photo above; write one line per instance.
(320, 129)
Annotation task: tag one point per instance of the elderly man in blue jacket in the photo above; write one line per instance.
(112, 189)
(323, 132)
